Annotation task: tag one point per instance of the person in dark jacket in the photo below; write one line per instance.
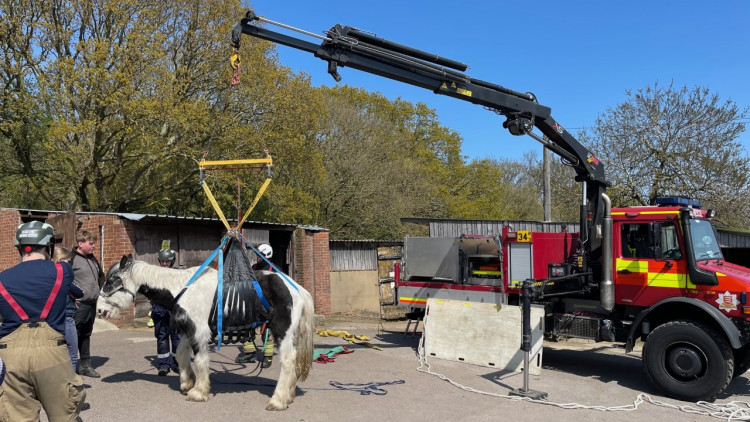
(33, 296)
(162, 331)
(90, 277)
(63, 254)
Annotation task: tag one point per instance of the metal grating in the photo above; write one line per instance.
(567, 325)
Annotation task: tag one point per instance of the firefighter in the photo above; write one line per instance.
(33, 297)
(163, 333)
(247, 355)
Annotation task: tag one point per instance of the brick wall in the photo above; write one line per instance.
(322, 273)
(312, 267)
(9, 221)
(114, 236)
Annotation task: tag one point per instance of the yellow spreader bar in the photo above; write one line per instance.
(203, 164)
(215, 205)
(255, 201)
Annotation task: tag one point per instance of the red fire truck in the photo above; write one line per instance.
(653, 273)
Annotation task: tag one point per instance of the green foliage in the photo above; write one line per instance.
(379, 163)
(109, 106)
(675, 141)
(565, 192)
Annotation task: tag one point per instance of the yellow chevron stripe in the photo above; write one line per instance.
(666, 280)
(659, 212)
(672, 280)
(412, 299)
(632, 266)
(644, 212)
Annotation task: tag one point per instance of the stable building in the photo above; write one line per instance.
(299, 250)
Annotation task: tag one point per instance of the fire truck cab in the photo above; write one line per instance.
(673, 293)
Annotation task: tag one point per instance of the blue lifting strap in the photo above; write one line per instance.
(202, 268)
(281, 273)
(220, 283)
(262, 298)
(220, 301)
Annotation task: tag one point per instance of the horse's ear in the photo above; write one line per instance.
(124, 260)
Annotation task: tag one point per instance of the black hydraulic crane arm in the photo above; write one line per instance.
(350, 47)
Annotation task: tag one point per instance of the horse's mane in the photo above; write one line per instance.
(158, 277)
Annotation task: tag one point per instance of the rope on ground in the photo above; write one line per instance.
(351, 338)
(365, 389)
(732, 411)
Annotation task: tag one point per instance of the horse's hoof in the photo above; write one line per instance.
(193, 395)
(272, 405)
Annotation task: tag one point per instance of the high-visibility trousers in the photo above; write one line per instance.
(249, 346)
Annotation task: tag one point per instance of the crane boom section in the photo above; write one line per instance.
(350, 47)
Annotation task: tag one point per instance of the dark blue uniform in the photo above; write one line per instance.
(30, 283)
(164, 336)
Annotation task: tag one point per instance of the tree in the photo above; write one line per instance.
(380, 161)
(489, 189)
(110, 104)
(565, 191)
(670, 141)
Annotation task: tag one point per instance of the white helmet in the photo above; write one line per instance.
(266, 250)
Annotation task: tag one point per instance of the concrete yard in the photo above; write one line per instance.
(370, 384)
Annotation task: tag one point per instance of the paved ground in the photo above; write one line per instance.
(573, 372)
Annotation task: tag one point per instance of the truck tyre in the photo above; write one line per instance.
(688, 360)
(741, 361)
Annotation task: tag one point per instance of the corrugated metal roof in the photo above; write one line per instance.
(446, 227)
(373, 242)
(155, 217)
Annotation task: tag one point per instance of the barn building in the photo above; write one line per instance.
(299, 250)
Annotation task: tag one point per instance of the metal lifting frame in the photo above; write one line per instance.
(204, 165)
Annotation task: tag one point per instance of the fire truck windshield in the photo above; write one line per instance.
(705, 245)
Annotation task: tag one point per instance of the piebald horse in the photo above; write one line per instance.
(290, 319)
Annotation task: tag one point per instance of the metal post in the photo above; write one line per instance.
(526, 294)
(547, 191)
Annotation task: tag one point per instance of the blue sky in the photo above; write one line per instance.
(578, 57)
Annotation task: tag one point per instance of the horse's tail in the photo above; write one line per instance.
(304, 336)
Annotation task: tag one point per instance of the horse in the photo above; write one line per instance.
(290, 319)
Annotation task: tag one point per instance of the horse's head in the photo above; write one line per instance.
(118, 291)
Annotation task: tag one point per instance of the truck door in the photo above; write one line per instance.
(641, 277)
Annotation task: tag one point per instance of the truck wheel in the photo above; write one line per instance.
(741, 361)
(688, 360)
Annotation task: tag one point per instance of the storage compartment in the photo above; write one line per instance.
(431, 258)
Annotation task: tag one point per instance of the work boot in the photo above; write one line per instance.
(163, 370)
(267, 361)
(245, 358)
(86, 370)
